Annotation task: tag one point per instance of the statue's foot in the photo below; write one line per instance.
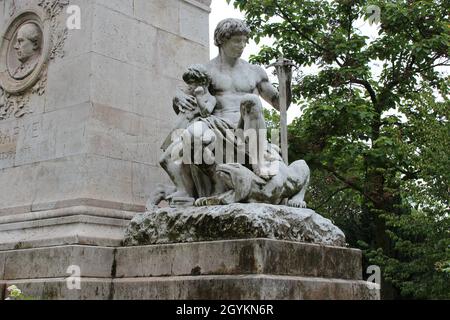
(160, 194)
(204, 202)
(178, 194)
(297, 204)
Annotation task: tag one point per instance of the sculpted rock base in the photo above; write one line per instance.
(236, 221)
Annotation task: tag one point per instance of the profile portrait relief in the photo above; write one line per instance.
(25, 50)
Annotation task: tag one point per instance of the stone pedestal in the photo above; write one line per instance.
(82, 158)
(220, 270)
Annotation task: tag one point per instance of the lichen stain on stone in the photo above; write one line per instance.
(197, 271)
(22, 246)
(247, 260)
(50, 293)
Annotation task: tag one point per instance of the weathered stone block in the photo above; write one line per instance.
(122, 6)
(222, 270)
(246, 287)
(174, 54)
(253, 256)
(76, 42)
(94, 262)
(122, 37)
(83, 225)
(194, 24)
(151, 13)
(69, 82)
(57, 289)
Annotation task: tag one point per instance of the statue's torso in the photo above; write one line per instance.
(229, 86)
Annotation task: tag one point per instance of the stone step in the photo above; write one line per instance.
(53, 262)
(86, 225)
(234, 269)
(255, 256)
(234, 257)
(244, 287)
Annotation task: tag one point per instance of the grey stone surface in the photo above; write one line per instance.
(236, 221)
(56, 289)
(71, 225)
(253, 256)
(245, 287)
(222, 270)
(53, 262)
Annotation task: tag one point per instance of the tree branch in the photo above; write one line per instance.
(346, 181)
(442, 64)
(406, 74)
(330, 197)
(409, 175)
(285, 16)
(369, 88)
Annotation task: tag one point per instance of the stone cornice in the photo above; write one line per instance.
(202, 4)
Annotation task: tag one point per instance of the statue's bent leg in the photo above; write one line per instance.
(302, 174)
(202, 139)
(178, 172)
(255, 131)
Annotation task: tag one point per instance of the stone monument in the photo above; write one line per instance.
(83, 113)
(225, 210)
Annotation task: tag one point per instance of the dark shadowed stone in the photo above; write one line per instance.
(236, 221)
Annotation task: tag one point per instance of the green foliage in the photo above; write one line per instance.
(421, 267)
(14, 293)
(378, 142)
(272, 118)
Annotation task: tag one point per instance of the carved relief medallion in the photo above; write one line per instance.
(24, 58)
(33, 37)
(24, 51)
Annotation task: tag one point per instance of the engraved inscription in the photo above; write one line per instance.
(9, 138)
(8, 142)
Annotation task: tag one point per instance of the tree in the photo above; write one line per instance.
(377, 141)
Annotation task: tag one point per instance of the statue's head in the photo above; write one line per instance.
(231, 36)
(28, 41)
(197, 75)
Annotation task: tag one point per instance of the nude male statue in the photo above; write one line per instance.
(27, 47)
(236, 87)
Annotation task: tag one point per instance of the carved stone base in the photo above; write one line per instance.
(236, 221)
(82, 221)
(221, 270)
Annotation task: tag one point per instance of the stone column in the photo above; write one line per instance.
(79, 147)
